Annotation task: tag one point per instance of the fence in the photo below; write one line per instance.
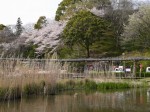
(68, 68)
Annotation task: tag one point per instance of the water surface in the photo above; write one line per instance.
(134, 100)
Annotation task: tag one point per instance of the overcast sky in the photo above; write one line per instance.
(28, 10)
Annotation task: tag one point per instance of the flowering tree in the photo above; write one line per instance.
(7, 35)
(137, 32)
(47, 37)
(36, 40)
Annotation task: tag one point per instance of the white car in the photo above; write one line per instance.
(118, 70)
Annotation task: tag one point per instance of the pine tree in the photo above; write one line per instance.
(19, 27)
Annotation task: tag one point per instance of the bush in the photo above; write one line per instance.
(143, 74)
(14, 92)
(112, 85)
(10, 93)
(60, 87)
(90, 85)
(32, 89)
(3, 92)
(70, 84)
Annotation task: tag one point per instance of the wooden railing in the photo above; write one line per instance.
(85, 59)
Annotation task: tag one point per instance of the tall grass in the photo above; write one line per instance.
(112, 85)
(23, 77)
(20, 78)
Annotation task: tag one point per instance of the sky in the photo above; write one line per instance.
(28, 10)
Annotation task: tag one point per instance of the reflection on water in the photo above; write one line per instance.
(135, 100)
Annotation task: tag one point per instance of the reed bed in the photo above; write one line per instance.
(19, 78)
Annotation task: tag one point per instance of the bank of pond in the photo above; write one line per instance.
(127, 100)
(45, 88)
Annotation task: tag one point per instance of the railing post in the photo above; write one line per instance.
(134, 68)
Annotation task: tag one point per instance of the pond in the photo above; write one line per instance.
(133, 100)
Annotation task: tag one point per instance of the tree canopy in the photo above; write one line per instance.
(2, 26)
(67, 8)
(137, 32)
(85, 29)
(40, 23)
(62, 8)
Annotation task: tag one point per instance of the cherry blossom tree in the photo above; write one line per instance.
(47, 37)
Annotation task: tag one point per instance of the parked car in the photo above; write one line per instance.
(118, 69)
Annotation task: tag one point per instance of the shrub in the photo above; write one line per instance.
(32, 89)
(3, 92)
(143, 74)
(112, 85)
(89, 84)
(70, 84)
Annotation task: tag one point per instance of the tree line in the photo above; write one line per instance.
(84, 28)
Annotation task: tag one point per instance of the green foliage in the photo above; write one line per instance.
(143, 74)
(3, 91)
(19, 27)
(60, 87)
(43, 88)
(63, 7)
(84, 29)
(99, 4)
(105, 47)
(144, 53)
(119, 18)
(40, 23)
(14, 92)
(67, 8)
(112, 85)
(90, 85)
(29, 51)
(10, 93)
(137, 32)
(32, 89)
(70, 84)
(2, 26)
(75, 51)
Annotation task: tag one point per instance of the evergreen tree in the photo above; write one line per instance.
(42, 21)
(19, 27)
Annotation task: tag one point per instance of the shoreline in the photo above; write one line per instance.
(48, 88)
